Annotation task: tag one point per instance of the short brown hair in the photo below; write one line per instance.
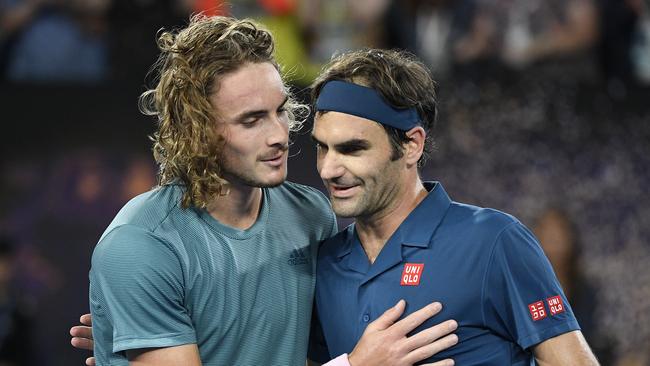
(187, 143)
(403, 80)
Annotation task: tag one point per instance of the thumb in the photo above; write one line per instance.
(389, 317)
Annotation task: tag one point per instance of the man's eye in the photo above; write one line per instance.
(349, 150)
(250, 122)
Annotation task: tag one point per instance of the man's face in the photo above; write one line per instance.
(250, 105)
(354, 162)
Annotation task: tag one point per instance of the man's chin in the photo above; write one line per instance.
(258, 182)
(270, 183)
(342, 210)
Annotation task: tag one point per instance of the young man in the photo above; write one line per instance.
(216, 265)
(375, 114)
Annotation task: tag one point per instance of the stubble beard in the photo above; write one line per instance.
(250, 179)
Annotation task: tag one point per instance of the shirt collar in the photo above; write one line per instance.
(418, 227)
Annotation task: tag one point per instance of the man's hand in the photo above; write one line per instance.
(82, 336)
(384, 342)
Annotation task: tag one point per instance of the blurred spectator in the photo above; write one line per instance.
(641, 44)
(138, 177)
(56, 223)
(618, 23)
(436, 24)
(523, 32)
(54, 40)
(559, 239)
(288, 22)
(624, 47)
(560, 243)
(208, 7)
(309, 32)
(400, 22)
(16, 335)
(341, 25)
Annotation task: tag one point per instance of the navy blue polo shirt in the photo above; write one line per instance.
(484, 266)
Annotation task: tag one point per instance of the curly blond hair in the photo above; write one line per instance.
(187, 143)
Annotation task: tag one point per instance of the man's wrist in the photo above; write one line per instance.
(341, 360)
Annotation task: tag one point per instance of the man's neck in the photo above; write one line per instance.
(375, 231)
(239, 208)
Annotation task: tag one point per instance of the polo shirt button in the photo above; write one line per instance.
(366, 317)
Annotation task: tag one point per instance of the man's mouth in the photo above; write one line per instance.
(343, 191)
(274, 160)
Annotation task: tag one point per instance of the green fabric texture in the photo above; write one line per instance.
(164, 276)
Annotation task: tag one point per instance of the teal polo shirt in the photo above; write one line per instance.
(484, 266)
(165, 276)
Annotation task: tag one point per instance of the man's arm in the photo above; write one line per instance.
(566, 349)
(179, 355)
(384, 342)
(186, 355)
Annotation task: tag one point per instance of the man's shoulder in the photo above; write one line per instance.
(299, 190)
(148, 210)
(484, 219)
(127, 241)
(332, 246)
(302, 196)
(137, 224)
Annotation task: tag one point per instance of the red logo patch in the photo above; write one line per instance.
(555, 305)
(411, 274)
(537, 310)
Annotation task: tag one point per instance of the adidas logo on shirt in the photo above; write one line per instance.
(298, 257)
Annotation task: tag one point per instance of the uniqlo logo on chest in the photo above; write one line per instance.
(555, 304)
(537, 310)
(412, 274)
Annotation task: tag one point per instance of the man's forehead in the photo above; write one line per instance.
(250, 80)
(251, 87)
(342, 126)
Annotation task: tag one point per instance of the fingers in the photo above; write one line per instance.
(82, 343)
(412, 321)
(431, 334)
(82, 337)
(86, 319)
(389, 317)
(90, 361)
(82, 332)
(447, 362)
(431, 349)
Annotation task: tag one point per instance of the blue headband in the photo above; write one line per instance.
(349, 98)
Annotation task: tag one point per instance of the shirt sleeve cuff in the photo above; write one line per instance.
(342, 360)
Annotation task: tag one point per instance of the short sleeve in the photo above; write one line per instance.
(318, 350)
(335, 227)
(137, 292)
(327, 207)
(523, 299)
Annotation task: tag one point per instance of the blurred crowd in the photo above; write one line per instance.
(543, 113)
(89, 41)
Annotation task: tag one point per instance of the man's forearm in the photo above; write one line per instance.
(566, 349)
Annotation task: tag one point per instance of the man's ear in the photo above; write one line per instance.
(414, 147)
